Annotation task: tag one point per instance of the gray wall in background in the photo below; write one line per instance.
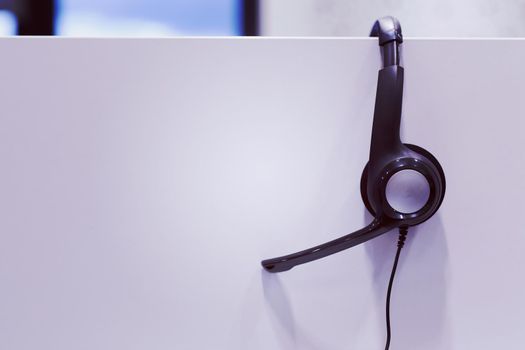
(429, 18)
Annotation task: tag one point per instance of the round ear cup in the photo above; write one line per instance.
(417, 149)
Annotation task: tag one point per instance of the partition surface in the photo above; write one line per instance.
(142, 182)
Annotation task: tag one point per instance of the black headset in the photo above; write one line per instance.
(391, 165)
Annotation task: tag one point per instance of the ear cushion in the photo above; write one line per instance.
(417, 149)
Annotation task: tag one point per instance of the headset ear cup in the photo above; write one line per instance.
(417, 149)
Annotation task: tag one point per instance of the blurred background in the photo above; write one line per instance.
(429, 18)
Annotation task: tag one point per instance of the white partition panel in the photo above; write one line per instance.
(142, 182)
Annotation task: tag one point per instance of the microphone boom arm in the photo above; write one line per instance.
(285, 263)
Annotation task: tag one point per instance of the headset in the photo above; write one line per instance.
(402, 185)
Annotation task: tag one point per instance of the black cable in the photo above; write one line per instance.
(400, 243)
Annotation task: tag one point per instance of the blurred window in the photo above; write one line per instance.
(7, 23)
(147, 17)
